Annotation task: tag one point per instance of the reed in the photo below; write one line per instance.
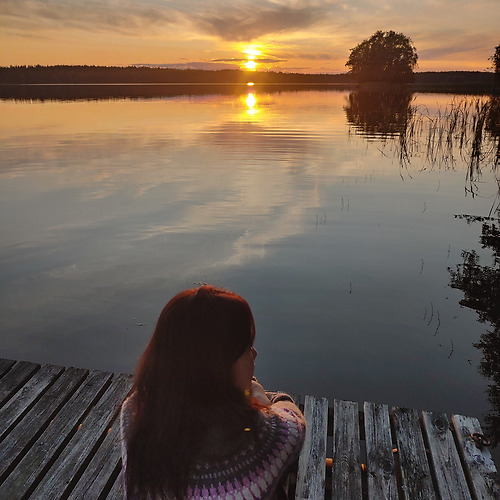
(468, 130)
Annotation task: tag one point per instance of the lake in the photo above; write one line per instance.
(303, 201)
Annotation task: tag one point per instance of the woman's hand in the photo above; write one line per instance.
(259, 394)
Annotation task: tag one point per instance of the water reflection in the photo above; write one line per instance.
(110, 206)
(378, 113)
(481, 287)
(251, 101)
(87, 92)
(467, 130)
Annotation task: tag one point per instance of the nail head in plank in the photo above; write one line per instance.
(311, 470)
(346, 483)
(446, 462)
(415, 470)
(479, 466)
(381, 471)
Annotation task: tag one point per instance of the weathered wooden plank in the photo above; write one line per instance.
(20, 438)
(479, 466)
(381, 471)
(15, 378)
(69, 465)
(102, 470)
(446, 462)
(50, 442)
(21, 402)
(346, 482)
(5, 365)
(116, 492)
(415, 471)
(311, 471)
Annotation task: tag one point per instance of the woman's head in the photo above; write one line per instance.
(199, 337)
(191, 378)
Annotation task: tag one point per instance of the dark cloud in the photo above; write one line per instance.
(262, 60)
(213, 65)
(249, 22)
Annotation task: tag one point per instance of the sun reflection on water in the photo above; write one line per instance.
(251, 103)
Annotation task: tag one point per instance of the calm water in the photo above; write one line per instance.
(109, 207)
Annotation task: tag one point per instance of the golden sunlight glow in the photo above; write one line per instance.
(251, 52)
(251, 65)
(250, 84)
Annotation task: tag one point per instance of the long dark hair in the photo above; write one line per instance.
(183, 387)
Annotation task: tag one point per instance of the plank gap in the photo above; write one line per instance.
(26, 448)
(92, 453)
(18, 418)
(430, 460)
(114, 476)
(5, 366)
(26, 371)
(42, 473)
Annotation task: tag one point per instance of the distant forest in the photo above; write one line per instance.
(137, 74)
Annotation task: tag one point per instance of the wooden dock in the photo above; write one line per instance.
(59, 438)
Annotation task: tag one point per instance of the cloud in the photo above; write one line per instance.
(249, 21)
(314, 57)
(93, 15)
(439, 46)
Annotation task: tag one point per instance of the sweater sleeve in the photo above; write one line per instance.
(126, 415)
(294, 425)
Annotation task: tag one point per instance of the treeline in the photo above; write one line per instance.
(134, 74)
(14, 77)
(454, 77)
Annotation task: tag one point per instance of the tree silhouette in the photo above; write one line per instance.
(386, 56)
(495, 59)
(481, 287)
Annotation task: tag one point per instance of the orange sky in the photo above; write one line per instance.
(304, 36)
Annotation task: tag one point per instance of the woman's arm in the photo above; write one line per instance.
(259, 394)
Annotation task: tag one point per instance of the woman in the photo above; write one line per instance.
(197, 424)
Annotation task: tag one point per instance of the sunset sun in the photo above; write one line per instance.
(251, 53)
(250, 64)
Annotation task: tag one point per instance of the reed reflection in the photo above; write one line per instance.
(493, 125)
(481, 287)
(465, 134)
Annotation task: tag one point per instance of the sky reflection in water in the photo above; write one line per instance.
(110, 207)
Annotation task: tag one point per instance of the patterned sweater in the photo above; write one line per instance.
(253, 472)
